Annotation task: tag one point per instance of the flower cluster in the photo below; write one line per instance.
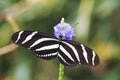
(66, 31)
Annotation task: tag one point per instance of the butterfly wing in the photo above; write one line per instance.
(42, 45)
(72, 53)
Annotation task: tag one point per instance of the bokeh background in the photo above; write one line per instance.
(99, 28)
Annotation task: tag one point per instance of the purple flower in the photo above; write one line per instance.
(67, 31)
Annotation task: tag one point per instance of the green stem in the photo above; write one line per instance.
(61, 72)
(61, 67)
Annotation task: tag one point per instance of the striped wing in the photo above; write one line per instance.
(46, 47)
(73, 53)
(41, 44)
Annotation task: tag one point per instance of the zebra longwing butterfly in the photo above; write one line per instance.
(47, 47)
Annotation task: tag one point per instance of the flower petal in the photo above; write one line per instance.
(67, 34)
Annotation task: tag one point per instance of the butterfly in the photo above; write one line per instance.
(44, 46)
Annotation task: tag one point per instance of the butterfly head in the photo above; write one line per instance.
(66, 32)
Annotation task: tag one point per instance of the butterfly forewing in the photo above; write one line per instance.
(41, 44)
(73, 53)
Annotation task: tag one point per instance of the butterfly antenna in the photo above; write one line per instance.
(72, 26)
(75, 24)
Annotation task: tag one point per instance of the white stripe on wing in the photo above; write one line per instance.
(29, 37)
(19, 35)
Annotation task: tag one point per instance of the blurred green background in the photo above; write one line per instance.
(99, 28)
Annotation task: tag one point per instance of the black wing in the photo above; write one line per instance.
(72, 53)
(41, 44)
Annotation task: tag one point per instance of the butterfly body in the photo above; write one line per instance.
(47, 47)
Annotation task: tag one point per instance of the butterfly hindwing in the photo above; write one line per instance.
(41, 44)
(73, 53)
